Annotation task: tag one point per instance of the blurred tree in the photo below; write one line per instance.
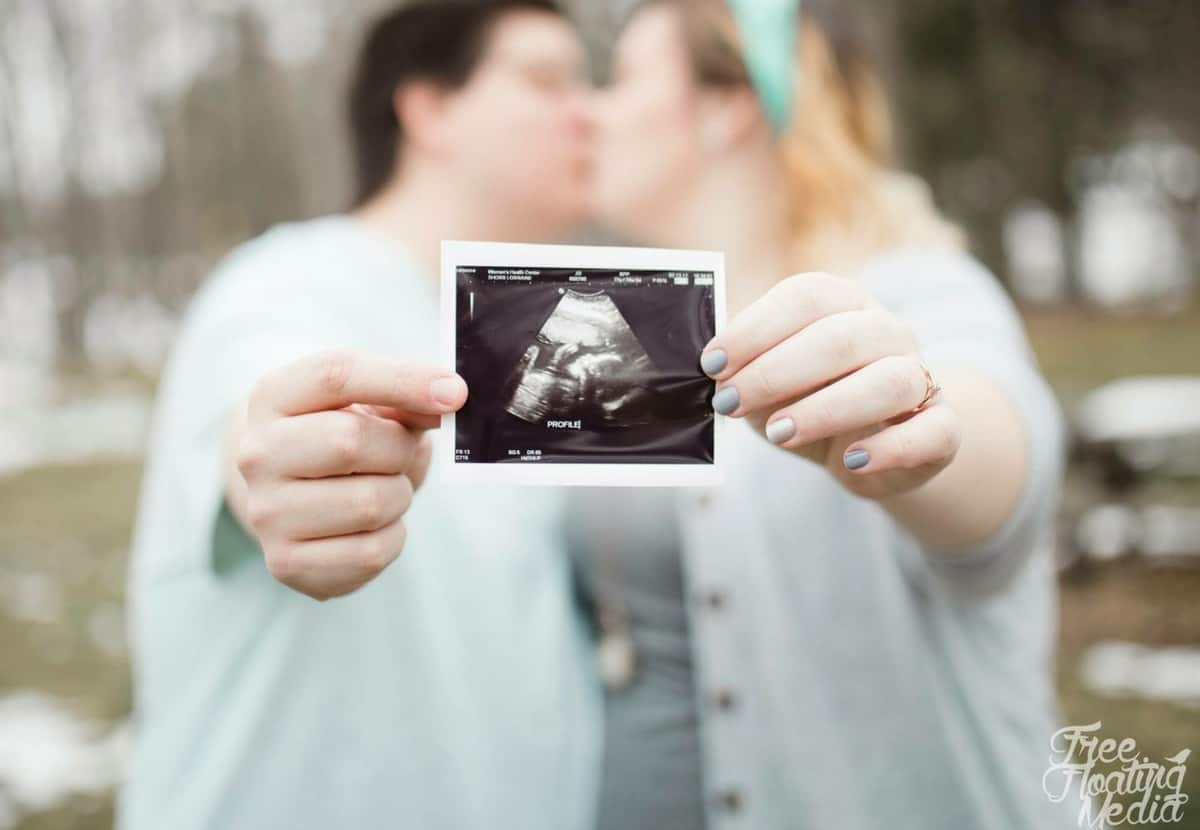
(997, 101)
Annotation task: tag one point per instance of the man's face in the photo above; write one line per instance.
(521, 128)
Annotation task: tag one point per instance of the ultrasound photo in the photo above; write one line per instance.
(580, 366)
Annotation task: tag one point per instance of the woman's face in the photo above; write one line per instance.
(649, 149)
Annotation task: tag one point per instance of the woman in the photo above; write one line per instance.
(855, 630)
(405, 703)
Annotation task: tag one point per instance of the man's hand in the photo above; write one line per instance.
(323, 462)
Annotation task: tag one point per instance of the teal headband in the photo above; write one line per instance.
(768, 32)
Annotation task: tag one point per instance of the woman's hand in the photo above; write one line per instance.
(822, 369)
(323, 463)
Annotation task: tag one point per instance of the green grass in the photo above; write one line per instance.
(1131, 601)
(1079, 349)
(71, 524)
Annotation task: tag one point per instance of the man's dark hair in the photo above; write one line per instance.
(429, 40)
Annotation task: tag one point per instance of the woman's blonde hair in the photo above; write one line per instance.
(847, 200)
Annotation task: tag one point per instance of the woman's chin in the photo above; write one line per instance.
(612, 215)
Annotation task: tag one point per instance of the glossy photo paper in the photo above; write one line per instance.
(582, 364)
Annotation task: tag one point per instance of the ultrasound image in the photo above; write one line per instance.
(583, 366)
(585, 363)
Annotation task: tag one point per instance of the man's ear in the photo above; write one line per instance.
(420, 108)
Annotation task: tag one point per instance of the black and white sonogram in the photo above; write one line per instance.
(569, 362)
(585, 364)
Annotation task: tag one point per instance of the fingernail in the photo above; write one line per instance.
(448, 391)
(726, 400)
(856, 459)
(713, 361)
(781, 430)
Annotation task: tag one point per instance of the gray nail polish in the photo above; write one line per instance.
(726, 400)
(856, 460)
(781, 430)
(713, 361)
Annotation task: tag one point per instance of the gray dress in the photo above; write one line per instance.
(624, 544)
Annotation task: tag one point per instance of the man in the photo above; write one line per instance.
(444, 689)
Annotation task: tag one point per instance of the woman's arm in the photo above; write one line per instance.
(969, 501)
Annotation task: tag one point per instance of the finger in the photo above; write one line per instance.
(827, 349)
(787, 307)
(324, 568)
(422, 457)
(880, 390)
(339, 442)
(335, 379)
(929, 438)
(300, 509)
(414, 420)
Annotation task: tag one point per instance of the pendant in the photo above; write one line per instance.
(617, 657)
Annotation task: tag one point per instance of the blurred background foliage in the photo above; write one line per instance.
(1066, 106)
(141, 139)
